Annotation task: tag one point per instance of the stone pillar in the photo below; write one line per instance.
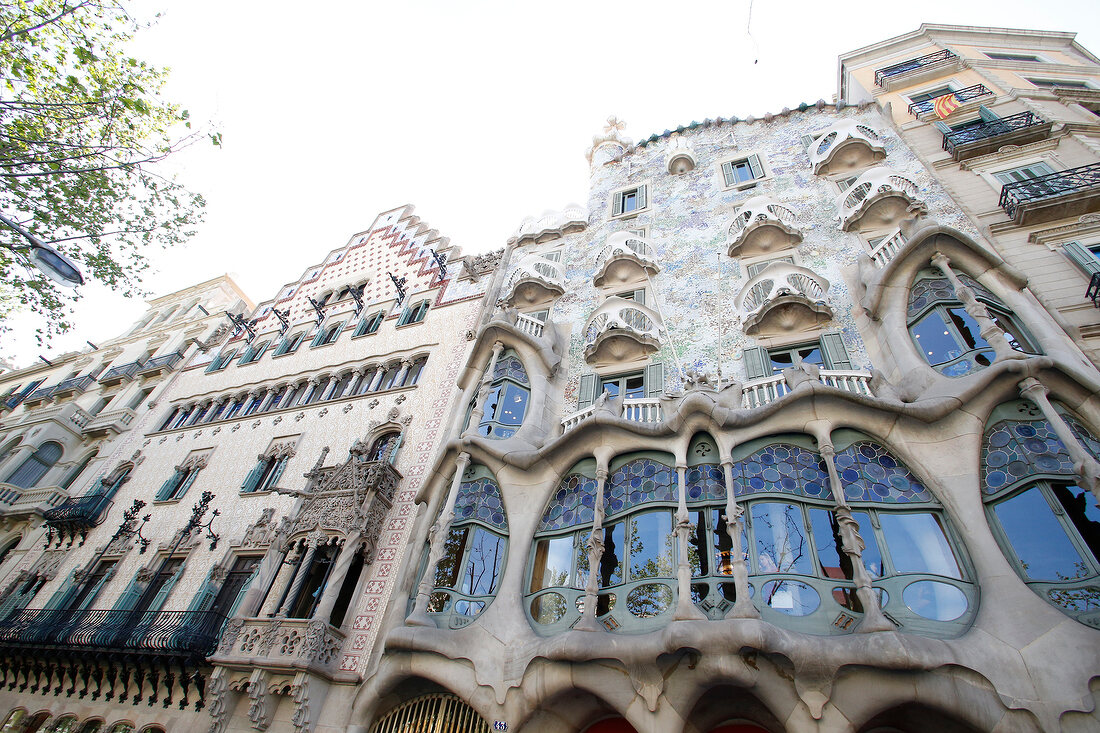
(595, 556)
(989, 330)
(336, 577)
(266, 404)
(486, 378)
(269, 566)
(743, 606)
(326, 392)
(852, 545)
(376, 381)
(685, 609)
(311, 384)
(399, 381)
(300, 577)
(200, 411)
(285, 568)
(1085, 465)
(437, 539)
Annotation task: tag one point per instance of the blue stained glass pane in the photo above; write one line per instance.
(1014, 450)
(572, 504)
(509, 367)
(878, 476)
(640, 481)
(480, 500)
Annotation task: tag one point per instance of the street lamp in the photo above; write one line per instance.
(52, 263)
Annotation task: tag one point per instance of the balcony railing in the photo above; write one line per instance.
(760, 392)
(530, 326)
(636, 410)
(281, 644)
(74, 385)
(120, 372)
(871, 187)
(159, 364)
(115, 421)
(939, 57)
(40, 395)
(16, 500)
(885, 250)
(625, 257)
(1074, 180)
(536, 279)
(617, 319)
(858, 145)
(993, 128)
(963, 95)
(781, 279)
(183, 633)
(85, 510)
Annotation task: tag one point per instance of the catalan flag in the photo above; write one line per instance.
(945, 105)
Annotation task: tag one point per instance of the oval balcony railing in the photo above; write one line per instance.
(535, 280)
(880, 196)
(761, 225)
(884, 250)
(621, 330)
(844, 145)
(780, 280)
(552, 223)
(625, 258)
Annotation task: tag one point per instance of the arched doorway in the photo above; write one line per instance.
(439, 712)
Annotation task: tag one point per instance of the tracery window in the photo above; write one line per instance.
(506, 399)
(947, 336)
(1047, 524)
(799, 575)
(467, 576)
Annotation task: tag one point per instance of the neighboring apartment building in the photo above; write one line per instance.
(63, 423)
(773, 438)
(275, 486)
(1009, 121)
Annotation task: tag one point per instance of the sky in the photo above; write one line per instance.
(477, 113)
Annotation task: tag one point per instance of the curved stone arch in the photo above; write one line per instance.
(721, 700)
(574, 708)
(88, 724)
(121, 721)
(397, 682)
(14, 470)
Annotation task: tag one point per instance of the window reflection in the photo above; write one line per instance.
(917, 545)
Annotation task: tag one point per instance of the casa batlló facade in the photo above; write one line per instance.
(785, 429)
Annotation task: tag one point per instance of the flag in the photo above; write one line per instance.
(945, 105)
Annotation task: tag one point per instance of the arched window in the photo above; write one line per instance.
(35, 466)
(799, 576)
(506, 399)
(947, 336)
(468, 574)
(415, 370)
(64, 724)
(8, 548)
(438, 711)
(385, 448)
(1047, 524)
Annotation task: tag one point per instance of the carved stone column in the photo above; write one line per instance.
(284, 574)
(852, 545)
(1085, 465)
(355, 386)
(595, 557)
(399, 381)
(743, 606)
(482, 391)
(263, 579)
(201, 411)
(437, 540)
(336, 577)
(685, 609)
(989, 330)
(311, 384)
(326, 393)
(300, 576)
(376, 381)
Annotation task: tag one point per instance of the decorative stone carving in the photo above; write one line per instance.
(261, 532)
(230, 634)
(218, 692)
(259, 709)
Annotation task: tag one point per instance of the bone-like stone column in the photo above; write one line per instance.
(685, 609)
(1085, 465)
(437, 540)
(989, 330)
(743, 606)
(595, 556)
(482, 391)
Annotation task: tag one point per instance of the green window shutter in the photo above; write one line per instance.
(206, 595)
(727, 173)
(278, 471)
(655, 380)
(987, 114)
(836, 355)
(162, 594)
(317, 339)
(756, 167)
(587, 391)
(187, 484)
(617, 203)
(757, 363)
(88, 599)
(61, 596)
(942, 127)
(1082, 256)
(641, 197)
(168, 487)
(129, 596)
(253, 477)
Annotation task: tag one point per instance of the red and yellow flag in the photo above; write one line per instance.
(945, 105)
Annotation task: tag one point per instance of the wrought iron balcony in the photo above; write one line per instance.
(536, 280)
(1026, 127)
(114, 653)
(39, 396)
(160, 364)
(937, 59)
(78, 514)
(626, 258)
(783, 297)
(843, 146)
(1093, 291)
(880, 197)
(120, 373)
(621, 330)
(963, 95)
(73, 386)
(1058, 195)
(760, 226)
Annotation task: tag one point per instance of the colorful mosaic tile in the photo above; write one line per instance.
(480, 501)
(510, 367)
(932, 290)
(1013, 450)
(705, 482)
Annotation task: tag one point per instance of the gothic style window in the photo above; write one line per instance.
(799, 576)
(468, 574)
(370, 324)
(947, 336)
(35, 466)
(265, 475)
(506, 399)
(415, 371)
(385, 448)
(175, 487)
(1046, 522)
(413, 314)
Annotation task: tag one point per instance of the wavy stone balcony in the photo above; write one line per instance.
(621, 330)
(783, 298)
(536, 280)
(625, 259)
(881, 197)
(109, 424)
(572, 218)
(760, 226)
(844, 146)
(645, 410)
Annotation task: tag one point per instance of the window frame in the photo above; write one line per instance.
(756, 163)
(327, 335)
(370, 325)
(414, 314)
(617, 202)
(253, 353)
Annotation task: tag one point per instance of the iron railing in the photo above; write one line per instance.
(75, 383)
(167, 361)
(40, 393)
(1013, 195)
(1093, 292)
(82, 510)
(905, 67)
(963, 95)
(992, 128)
(123, 370)
(175, 633)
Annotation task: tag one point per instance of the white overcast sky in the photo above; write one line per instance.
(477, 113)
